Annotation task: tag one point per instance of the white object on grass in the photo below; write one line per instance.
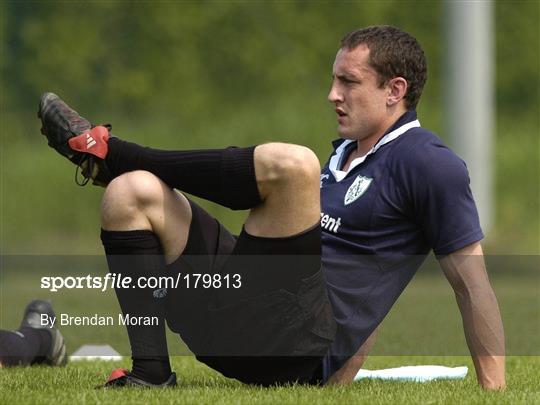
(95, 352)
(414, 373)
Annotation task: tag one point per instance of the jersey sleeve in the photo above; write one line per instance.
(436, 185)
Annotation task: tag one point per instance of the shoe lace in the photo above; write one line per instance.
(81, 170)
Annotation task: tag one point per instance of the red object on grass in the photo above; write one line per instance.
(118, 373)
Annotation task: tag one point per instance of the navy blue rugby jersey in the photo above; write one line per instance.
(409, 195)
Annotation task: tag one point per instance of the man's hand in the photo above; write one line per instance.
(349, 370)
(465, 270)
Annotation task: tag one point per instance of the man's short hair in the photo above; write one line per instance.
(393, 53)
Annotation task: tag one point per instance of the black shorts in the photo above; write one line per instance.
(275, 328)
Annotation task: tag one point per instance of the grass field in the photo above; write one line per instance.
(75, 384)
(423, 328)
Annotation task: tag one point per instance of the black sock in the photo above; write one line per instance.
(138, 254)
(224, 176)
(24, 347)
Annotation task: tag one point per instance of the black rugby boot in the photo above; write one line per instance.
(74, 137)
(32, 318)
(120, 378)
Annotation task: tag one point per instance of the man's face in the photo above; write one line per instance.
(360, 102)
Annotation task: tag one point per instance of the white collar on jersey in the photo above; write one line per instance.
(389, 137)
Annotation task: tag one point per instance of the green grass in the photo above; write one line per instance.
(198, 384)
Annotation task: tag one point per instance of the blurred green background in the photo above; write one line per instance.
(213, 74)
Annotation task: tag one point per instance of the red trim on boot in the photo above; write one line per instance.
(118, 373)
(94, 142)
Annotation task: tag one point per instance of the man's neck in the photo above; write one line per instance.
(363, 146)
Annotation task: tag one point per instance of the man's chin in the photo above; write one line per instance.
(345, 134)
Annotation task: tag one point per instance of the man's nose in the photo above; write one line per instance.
(335, 95)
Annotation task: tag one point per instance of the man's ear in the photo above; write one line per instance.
(397, 88)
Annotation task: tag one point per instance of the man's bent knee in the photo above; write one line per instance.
(288, 177)
(125, 199)
(141, 201)
(277, 164)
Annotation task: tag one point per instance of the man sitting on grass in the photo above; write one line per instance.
(390, 193)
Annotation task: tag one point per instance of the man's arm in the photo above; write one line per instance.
(466, 271)
(349, 370)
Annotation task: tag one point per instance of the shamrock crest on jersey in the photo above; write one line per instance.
(355, 191)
